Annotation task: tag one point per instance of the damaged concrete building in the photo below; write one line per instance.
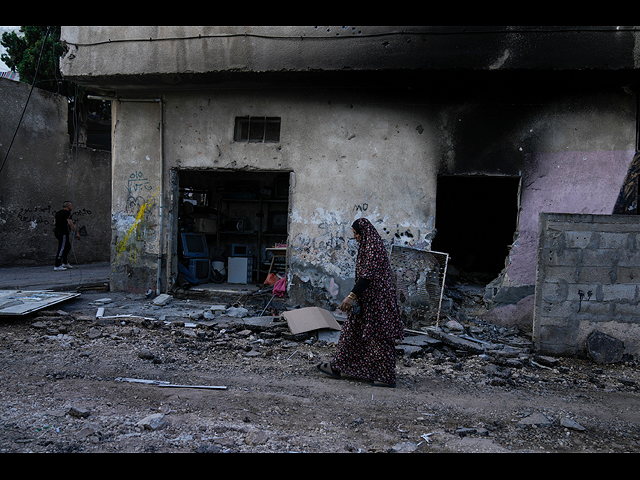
(257, 140)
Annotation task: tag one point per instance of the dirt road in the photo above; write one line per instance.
(63, 391)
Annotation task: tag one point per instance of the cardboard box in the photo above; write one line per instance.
(309, 319)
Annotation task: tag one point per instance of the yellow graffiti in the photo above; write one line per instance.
(122, 245)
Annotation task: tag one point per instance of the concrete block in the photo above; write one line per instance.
(579, 239)
(162, 299)
(617, 241)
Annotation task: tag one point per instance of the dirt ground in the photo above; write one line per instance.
(66, 387)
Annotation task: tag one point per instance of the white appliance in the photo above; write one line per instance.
(239, 269)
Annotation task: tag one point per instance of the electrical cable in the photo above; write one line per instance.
(235, 35)
(460, 31)
(74, 157)
(28, 98)
(55, 67)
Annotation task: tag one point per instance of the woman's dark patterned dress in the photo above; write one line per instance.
(366, 348)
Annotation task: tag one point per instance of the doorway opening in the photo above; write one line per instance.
(476, 219)
(232, 226)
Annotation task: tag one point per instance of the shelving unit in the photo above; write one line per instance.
(263, 236)
(241, 209)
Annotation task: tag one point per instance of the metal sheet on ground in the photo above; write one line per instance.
(23, 302)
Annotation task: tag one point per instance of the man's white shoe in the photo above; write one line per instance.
(66, 265)
(59, 268)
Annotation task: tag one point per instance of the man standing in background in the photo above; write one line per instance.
(63, 225)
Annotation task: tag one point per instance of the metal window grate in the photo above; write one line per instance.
(257, 129)
(419, 276)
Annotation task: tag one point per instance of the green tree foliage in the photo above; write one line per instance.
(24, 52)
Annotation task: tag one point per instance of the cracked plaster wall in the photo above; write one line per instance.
(351, 154)
(368, 152)
(136, 190)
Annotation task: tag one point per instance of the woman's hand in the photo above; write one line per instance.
(347, 304)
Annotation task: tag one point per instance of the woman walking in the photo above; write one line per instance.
(366, 348)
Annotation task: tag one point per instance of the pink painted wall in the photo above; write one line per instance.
(565, 182)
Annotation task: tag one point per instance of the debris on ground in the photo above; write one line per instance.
(121, 374)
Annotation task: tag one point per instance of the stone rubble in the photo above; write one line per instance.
(500, 349)
(464, 348)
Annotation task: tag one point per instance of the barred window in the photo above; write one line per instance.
(257, 129)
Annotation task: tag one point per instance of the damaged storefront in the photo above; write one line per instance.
(229, 209)
(232, 227)
(275, 161)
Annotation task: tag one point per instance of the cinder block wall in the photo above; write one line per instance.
(588, 278)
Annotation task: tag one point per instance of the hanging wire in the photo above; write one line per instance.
(74, 156)
(28, 98)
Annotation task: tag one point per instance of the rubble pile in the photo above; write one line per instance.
(459, 332)
(128, 373)
(256, 330)
(452, 338)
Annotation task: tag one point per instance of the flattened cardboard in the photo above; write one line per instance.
(308, 319)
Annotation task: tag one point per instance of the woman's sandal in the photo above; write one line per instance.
(326, 369)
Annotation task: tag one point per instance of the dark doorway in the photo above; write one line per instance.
(476, 217)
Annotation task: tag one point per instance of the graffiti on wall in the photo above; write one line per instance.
(323, 249)
(42, 215)
(135, 220)
(138, 186)
(361, 208)
(35, 215)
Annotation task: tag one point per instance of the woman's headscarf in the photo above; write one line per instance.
(372, 261)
